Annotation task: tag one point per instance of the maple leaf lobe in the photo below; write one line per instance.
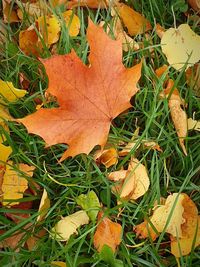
(89, 97)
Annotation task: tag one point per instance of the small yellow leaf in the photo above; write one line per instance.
(44, 206)
(9, 93)
(5, 152)
(14, 184)
(193, 124)
(181, 46)
(58, 263)
(72, 22)
(107, 157)
(133, 21)
(68, 225)
(49, 27)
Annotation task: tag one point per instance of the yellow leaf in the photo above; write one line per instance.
(72, 22)
(4, 116)
(133, 21)
(14, 184)
(193, 124)
(44, 206)
(5, 152)
(190, 229)
(168, 216)
(181, 46)
(107, 157)
(49, 27)
(58, 263)
(9, 93)
(68, 225)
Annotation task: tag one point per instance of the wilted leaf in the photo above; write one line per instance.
(90, 203)
(179, 116)
(68, 225)
(135, 181)
(44, 206)
(185, 42)
(193, 124)
(133, 21)
(14, 184)
(33, 240)
(168, 216)
(8, 93)
(9, 14)
(87, 124)
(107, 157)
(108, 233)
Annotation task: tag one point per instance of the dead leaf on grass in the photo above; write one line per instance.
(107, 157)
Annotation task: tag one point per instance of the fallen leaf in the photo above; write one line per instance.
(126, 150)
(44, 206)
(195, 4)
(33, 240)
(179, 116)
(5, 152)
(132, 20)
(59, 263)
(183, 245)
(168, 216)
(68, 225)
(72, 22)
(9, 14)
(35, 9)
(14, 184)
(152, 145)
(8, 93)
(185, 42)
(107, 233)
(90, 203)
(159, 30)
(134, 181)
(193, 124)
(87, 124)
(28, 42)
(107, 157)
(193, 78)
(49, 28)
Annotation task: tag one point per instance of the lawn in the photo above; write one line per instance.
(169, 169)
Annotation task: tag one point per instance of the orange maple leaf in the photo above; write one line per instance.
(89, 97)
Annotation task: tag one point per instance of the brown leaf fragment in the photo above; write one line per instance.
(193, 78)
(195, 4)
(132, 20)
(87, 3)
(9, 14)
(159, 30)
(107, 233)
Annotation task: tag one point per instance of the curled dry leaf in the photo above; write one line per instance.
(90, 203)
(132, 20)
(179, 116)
(68, 225)
(193, 78)
(134, 182)
(44, 206)
(14, 184)
(195, 4)
(107, 157)
(107, 233)
(9, 13)
(85, 125)
(185, 42)
(168, 216)
(193, 124)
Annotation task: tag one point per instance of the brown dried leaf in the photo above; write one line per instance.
(107, 157)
